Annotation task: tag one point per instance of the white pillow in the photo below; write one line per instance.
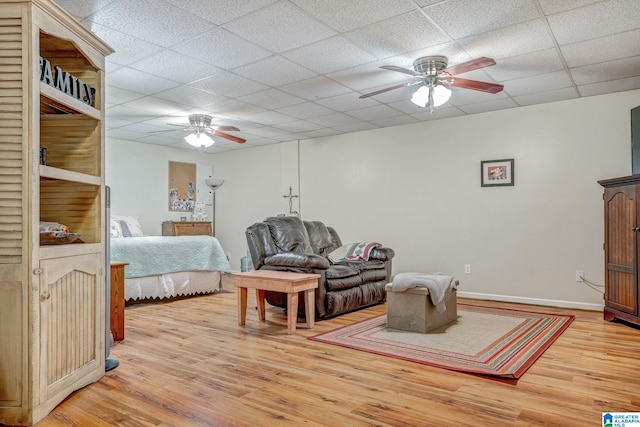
(130, 225)
(116, 229)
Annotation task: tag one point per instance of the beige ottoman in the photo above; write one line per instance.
(413, 311)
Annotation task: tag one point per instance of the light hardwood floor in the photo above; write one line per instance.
(188, 363)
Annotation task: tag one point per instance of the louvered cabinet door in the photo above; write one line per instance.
(71, 299)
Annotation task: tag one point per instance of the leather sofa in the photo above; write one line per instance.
(290, 244)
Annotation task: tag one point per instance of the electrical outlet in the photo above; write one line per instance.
(579, 275)
(467, 269)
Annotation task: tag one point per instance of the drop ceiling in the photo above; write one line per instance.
(283, 70)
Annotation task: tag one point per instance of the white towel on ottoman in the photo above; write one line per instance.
(439, 285)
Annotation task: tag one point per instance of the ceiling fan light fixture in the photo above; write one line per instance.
(199, 140)
(440, 95)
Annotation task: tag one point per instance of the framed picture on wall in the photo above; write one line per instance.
(496, 173)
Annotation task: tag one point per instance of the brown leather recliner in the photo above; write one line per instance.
(290, 244)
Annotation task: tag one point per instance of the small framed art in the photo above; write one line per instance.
(496, 173)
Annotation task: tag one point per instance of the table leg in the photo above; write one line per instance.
(261, 307)
(310, 305)
(242, 306)
(292, 312)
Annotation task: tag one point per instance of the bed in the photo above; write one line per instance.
(168, 266)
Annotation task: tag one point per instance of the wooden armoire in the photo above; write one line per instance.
(621, 248)
(52, 296)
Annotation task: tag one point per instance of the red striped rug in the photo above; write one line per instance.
(483, 340)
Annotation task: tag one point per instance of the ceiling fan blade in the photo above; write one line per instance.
(475, 85)
(229, 137)
(401, 70)
(465, 67)
(387, 89)
(226, 128)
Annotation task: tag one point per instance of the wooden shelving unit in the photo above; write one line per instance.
(52, 297)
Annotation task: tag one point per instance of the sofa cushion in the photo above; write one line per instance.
(289, 234)
(338, 271)
(343, 283)
(320, 238)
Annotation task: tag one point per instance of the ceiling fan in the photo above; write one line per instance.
(435, 76)
(200, 128)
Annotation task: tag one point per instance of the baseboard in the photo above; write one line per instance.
(532, 301)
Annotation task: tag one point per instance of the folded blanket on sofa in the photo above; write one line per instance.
(439, 285)
(353, 251)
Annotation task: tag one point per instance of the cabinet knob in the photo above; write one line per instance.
(635, 228)
(45, 295)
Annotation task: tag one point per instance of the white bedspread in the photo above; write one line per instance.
(439, 285)
(155, 255)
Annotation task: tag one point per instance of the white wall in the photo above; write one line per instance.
(416, 188)
(138, 176)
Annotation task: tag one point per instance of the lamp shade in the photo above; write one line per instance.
(214, 183)
(440, 95)
(199, 140)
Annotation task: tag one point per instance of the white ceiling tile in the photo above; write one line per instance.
(174, 66)
(315, 88)
(119, 96)
(596, 20)
(333, 54)
(279, 27)
(510, 41)
(82, 9)
(154, 21)
(333, 45)
(346, 102)
(137, 81)
(222, 49)
(482, 107)
(344, 15)
(321, 133)
(468, 96)
(612, 70)
(395, 121)
(368, 76)
(156, 106)
(299, 126)
(538, 83)
(376, 112)
(190, 96)
(113, 123)
(394, 36)
(616, 46)
(273, 97)
(610, 86)
(269, 118)
(334, 120)
(463, 18)
(234, 108)
(554, 6)
(229, 84)
(275, 71)
(530, 64)
(126, 134)
(306, 110)
(548, 96)
(357, 127)
(128, 49)
(221, 11)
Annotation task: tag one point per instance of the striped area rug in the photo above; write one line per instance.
(483, 340)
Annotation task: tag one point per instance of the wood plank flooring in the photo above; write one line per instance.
(188, 363)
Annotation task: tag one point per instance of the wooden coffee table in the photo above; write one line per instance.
(278, 281)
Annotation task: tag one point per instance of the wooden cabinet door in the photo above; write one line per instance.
(621, 243)
(72, 330)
